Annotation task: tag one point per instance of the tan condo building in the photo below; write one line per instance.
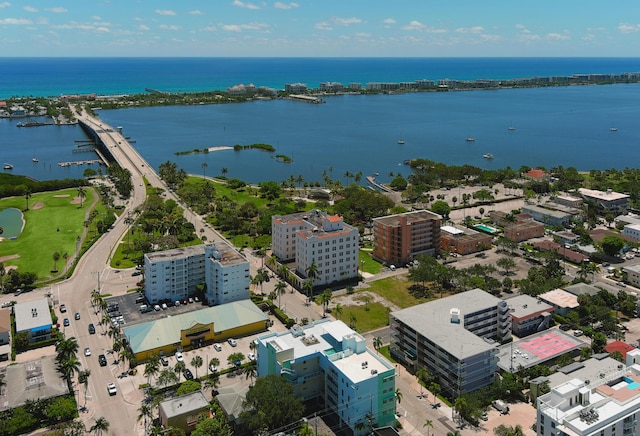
(398, 239)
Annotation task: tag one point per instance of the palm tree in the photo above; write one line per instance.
(507, 430)
(352, 320)
(204, 166)
(66, 348)
(68, 368)
(307, 286)
(196, 362)
(312, 271)
(214, 362)
(428, 423)
(81, 193)
(453, 433)
(27, 195)
(459, 405)
(212, 383)
(224, 171)
(101, 425)
(167, 377)
(83, 377)
(337, 311)
(398, 395)
(145, 411)
(377, 343)
(280, 288)
(151, 367)
(56, 258)
(251, 370)
(435, 390)
(325, 298)
(179, 369)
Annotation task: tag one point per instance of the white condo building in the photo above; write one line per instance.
(174, 274)
(330, 362)
(316, 237)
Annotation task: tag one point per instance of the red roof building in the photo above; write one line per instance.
(620, 346)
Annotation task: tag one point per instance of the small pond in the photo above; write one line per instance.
(11, 223)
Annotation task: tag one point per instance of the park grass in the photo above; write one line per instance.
(55, 227)
(395, 290)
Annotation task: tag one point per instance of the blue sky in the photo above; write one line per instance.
(319, 28)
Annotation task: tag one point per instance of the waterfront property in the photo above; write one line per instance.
(399, 239)
(317, 238)
(195, 329)
(463, 240)
(329, 362)
(453, 339)
(174, 274)
(34, 318)
(182, 412)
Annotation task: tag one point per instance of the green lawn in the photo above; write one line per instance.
(377, 316)
(53, 224)
(394, 290)
(371, 266)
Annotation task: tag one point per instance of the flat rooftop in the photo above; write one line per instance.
(602, 195)
(177, 253)
(411, 217)
(524, 306)
(433, 320)
(560, 298)
(32, 315)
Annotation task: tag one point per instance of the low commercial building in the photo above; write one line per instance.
(452, 338)
(329, 362)
(546, 216)
(5, 334)
(633, 274)
(632, 231)
(33, 318)
(172, 275)
(195, 329)
(31, 381)
(529, 315)
(400, 238)
(523, 231)
(606, 200)
(561, 300)
(182, 412)
(464, 240)
(569, 201)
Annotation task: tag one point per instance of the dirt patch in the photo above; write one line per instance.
(76, 200)
(37, 206)
(358, 299)
(62, 196)
(9, 257)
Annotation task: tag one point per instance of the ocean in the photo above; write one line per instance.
(568, 126)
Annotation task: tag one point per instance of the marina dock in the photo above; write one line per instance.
(372, 180)
(80, 162)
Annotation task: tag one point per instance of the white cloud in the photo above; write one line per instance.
(58, 10)
(589, 37)
(323, 25)
(629, 28)
(389, 21)
(169, 27)
(557, 36)
(475, 29)
(165, 12)
(15, 21)
(520, 26)
(30, 9)
(418, 26)
(103, 29)
(347, 21)
(4, 5)
(96, 17)
(280, 5)
(242, 4)
(232, 28)
(249, 26)
(143, 27)
(195, 12)
(363, 35)
(209, 29)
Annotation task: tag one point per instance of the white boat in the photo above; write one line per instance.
(400, 141)
(470, 139)
(8, 166)
(614, 129)
(34, 160)
(511, 127)
(487, 156)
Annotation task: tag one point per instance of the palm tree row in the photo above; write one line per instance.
(67, 360)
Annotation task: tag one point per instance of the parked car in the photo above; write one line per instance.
(212, 368)
(251, 356)
(63, 308)
(136, 273)
(66, 322)
(92, 329)
(77, 316)
(179, 357)
(217, 347)
(87, 351)
(111, 388)
(164, 361)
(188, 374)
(102, 360)
(578, 333)
(232, 342)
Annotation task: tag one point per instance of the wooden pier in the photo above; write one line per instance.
(80, 162)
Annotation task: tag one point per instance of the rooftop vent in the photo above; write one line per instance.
(455, 315)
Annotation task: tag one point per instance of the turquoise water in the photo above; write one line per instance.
(486, 228)
(11, 223)
(632, 384)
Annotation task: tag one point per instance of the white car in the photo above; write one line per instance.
(179, 357)
(212, 369)
(251, 356)
(217, 347)
(232, 342)
(111, 388)
(87, 351)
